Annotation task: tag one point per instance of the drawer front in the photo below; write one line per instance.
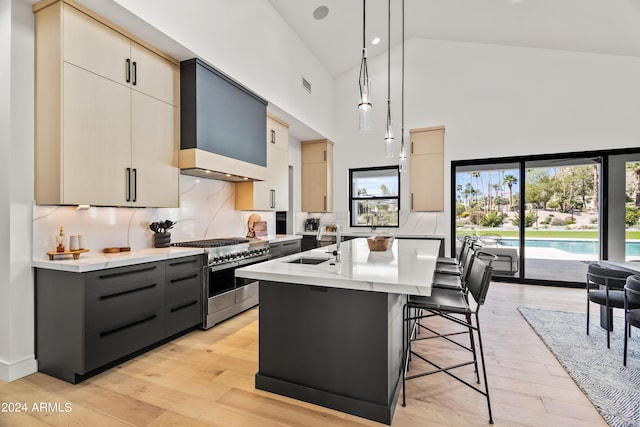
(290, 248)
(221, 301)
(123, 319)
(186, 265)
(248, 291)
(183, 302)
(182, 288)
(182, 316)
(115, 277)
(275, 250)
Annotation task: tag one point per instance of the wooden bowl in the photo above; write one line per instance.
(380, 243)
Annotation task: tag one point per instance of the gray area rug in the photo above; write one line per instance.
(612, 388)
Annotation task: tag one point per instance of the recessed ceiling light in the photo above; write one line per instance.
(376, 40)
(321, 12)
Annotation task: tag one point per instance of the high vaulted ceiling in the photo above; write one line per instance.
(593, 26)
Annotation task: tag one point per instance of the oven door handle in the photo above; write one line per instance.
(254, 260)
(225, 266)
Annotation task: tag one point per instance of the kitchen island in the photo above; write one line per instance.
(331, 333)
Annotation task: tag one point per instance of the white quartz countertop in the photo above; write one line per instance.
(278, 238)
(91, 261)
(407, 268)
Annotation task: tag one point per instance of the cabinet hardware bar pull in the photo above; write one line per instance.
(127, 292)
(273, 136)
(128, 184)
(180, 279)
(325, 203)
(125, 273)
(324, 155)
(411, 147)
(273, 198)
(135, 73)
(135, 183)
(183, 306)
(128, 71)
(192, 261)
(120, 328)
(411, 200)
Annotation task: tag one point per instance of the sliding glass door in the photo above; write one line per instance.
(486, 208)
(562, 218)
(541, 219)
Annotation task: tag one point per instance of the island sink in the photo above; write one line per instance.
(312, 261)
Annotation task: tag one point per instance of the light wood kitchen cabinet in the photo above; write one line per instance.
(427, 169)
(107, 119)
(273, 193)
(317, 176)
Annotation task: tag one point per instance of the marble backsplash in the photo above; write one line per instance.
(206, 211)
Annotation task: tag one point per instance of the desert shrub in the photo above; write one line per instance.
(557, 222)
(464, 214)
(492, 219)
(475, 217)
(552, 204)
(632, 216)
(529, 219)
(569, 221)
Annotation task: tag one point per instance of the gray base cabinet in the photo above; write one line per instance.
(333, 347)
(280, 249)
(86, 321)
(183, 294)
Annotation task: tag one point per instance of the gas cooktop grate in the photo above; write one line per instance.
(212, 243)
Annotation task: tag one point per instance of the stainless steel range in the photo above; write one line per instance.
(225, 296)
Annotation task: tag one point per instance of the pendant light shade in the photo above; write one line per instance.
(402, 157)
(388, 134)
(364, 107)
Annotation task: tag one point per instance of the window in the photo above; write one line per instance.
(374, 196)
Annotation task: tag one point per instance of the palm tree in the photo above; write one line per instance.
(510, 180)
(635, 168)
(476, 175)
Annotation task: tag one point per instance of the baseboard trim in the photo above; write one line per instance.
(16, 370)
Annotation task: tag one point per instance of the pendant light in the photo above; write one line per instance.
(402, 157)
(364, 107)
(388, 134)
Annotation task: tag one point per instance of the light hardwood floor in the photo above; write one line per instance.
(206, 378)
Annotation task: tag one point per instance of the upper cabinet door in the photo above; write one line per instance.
(95, 47)
(154, 75)
(96, 151)
(154, 152)
(427, 169)
(277, 133)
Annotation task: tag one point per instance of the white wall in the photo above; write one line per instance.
(495, 101)
(250, 42)
(16, 192)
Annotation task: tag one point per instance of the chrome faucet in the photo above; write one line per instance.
(322, 229)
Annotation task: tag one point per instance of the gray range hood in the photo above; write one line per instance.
(223, 126)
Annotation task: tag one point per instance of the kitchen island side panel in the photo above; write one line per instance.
(333, 347)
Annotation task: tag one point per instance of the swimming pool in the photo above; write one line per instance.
(583, 247)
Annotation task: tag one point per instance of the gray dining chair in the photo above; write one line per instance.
(611, 295)
(631, 309)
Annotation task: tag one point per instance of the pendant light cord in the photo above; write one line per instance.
(402, 107)
(389, 55)
(364, 23)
